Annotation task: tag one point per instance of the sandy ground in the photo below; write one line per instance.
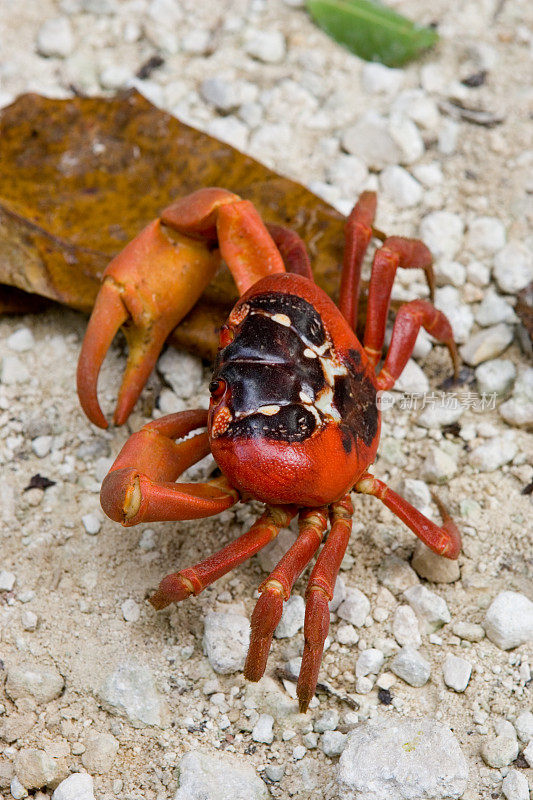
(76, 583)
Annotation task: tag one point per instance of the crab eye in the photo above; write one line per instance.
(217, 387)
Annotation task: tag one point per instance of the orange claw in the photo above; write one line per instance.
(151, 284)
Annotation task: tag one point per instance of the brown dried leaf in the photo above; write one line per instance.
(80, 177)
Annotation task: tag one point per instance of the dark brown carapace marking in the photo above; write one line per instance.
(281, 379)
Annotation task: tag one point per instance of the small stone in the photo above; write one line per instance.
(469, 631)
(346, 634)
(405, 627)
(115, 77)
(459, 315)
(377, 78)
(55, 38)
(478, 274)
(430, 175)
(413, 379)
(7, 581)
(528, 754)
(518, 411)
(406, 135)
(204, 775)
(31, 680)
(181, 371)
(130, 692)
(327, 721)
(298, 752)
(495, 376)
(13, 371)
(509, 620)
(226, 640)
(310, 740)
(456, 672)
(438, 415)
(220, 93)
(515, 786)
(17, 789)
(275, 772)
(14, 726)
(92, 523)
(349, 173)
(6, 773)
(339, 594)
(364, 685)
(147, 540)
(416, 492)
(396, 574)
(369, 662)
(35, 768)
(385, 759)
(78, 786)
(332, 743)
(411, 667)
(229, 129)
(450, 272)
(447, 138)
(42, 445)
(486, 235)
(486, 344)
(494, 454)
(270, 555)
(513, 267)
(21, 340)
(524, 726)
(292, 618)
(370, 140)
(503, 727)
(355, 608)
(130, 610)
(494, 309)
(196, 42)
(430, 609)
(439, 466)
(267, 46)
(400, 187)
(29, 620)
(499, 752)
(442, 231)
(262, 730)
(100, 753)
(433, 567)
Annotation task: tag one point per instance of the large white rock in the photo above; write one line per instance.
(78, 786)
(412, 759)
(203, 776)
(509, 620)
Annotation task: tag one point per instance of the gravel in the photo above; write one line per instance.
(405, 627)
(485, 236)
(355, 608)
(78, 786)
(370, 140)
(262, 730)
(332, 743)
(369, 662)
(509, 620)
(130, 691)
(55, 38)
(411, 667)
(430, 609)
(456, 672)
(203, 775)
(402, 760)
(226, 640)
(327, 721)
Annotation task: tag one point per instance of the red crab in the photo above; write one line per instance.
(293, 419)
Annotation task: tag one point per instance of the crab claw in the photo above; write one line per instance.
(151, 285)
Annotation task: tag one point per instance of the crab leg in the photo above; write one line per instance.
(140, 485)
(277, 588)
(444, 540)
(292, 249)
(159, 276)
(193, 580)
(319, 592)
(409, 319)
(358, 232)
(395, 252)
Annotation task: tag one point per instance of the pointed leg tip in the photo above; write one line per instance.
(303, 704)
(159, 600)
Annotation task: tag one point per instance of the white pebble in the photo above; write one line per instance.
(469, 631)
(494, 454)
(229, 129)
(442, 231)
(292, 618)
(299, 752)
(439, 466)
(332, 743)
(407, 137)
(447, 138)
(78, 786)
(182, 371)
(485, 235)
(513, 267)
(400, 187)
(29, 620)
(355, 608)
(55, 38)
(456, 672)
(528, 754)
(17, 789)
(499, 752)
(13, 371)
(226, 640)
(515, 786)
(413, 379)
(430, 175)
(509, 620)
(147, 540)
(328, 721)
(92, 523)
(369, 662)
(437, 415)
(42, 445)
(493, 309)
(21, 340)
(460, 317)
(130, 610)
(430, 609)
(478, 274)
(267, 45)
(196, 42)
(518, 410)
(370, 140)
(7, 580)
(115, 77)
(346, 634)
(411, 667)
(262, 730)
(486, 344)
(524, 726)
(495, 376)
(405, 627)
(349, 173)
(377, 78)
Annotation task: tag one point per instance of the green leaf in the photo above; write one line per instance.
(372, 31)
